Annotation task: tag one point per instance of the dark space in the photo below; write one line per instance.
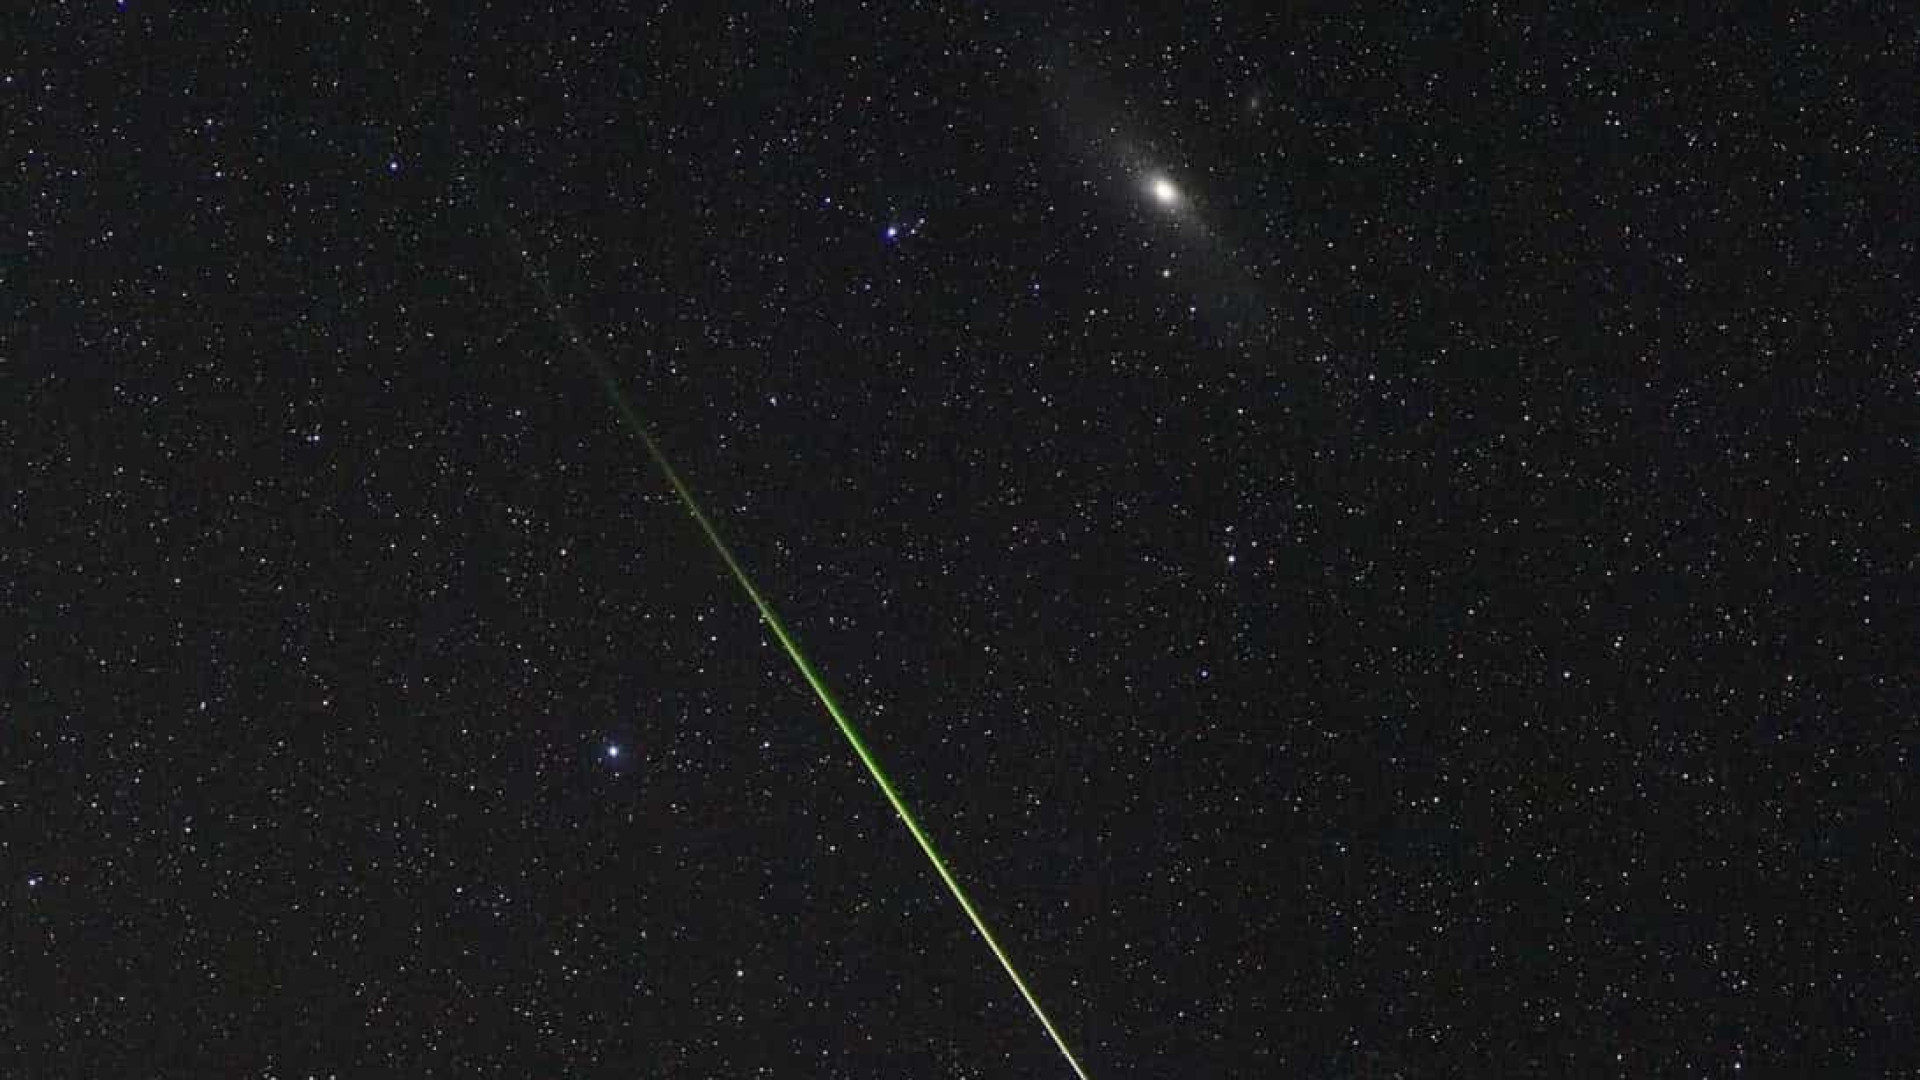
(1378, 543)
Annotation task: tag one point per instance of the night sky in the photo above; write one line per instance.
(1378, 544)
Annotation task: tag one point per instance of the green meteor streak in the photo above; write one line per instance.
(632, 418)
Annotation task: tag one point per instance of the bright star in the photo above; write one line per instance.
(613, 751)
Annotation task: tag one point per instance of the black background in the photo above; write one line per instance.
(1549, 382)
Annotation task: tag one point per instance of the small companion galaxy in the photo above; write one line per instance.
(957, 540)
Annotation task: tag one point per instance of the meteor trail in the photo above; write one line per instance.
(632, 418)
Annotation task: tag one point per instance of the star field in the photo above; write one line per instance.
(1377, 543)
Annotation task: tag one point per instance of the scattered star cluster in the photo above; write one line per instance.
(1378, 542)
